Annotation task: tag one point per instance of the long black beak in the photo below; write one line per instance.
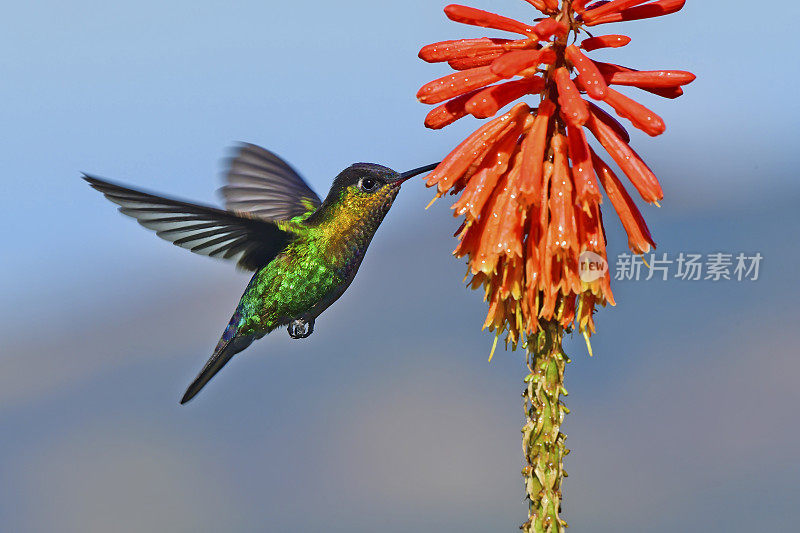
(416, 172)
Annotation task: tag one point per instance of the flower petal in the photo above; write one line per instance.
(533, 148)
(573, 108)
(640, 116)
(653, 9)
(473, 148)
(465, 63)
(590, 77)
(614, 6)
(628, 160)
(485, 19)
(456, 84)
(512, 63)
(449, 112)
(459, 48)
(604, 41)
(610, 121)
(639, 239)
(587, 193)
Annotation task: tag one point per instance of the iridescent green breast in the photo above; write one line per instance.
(287, 288)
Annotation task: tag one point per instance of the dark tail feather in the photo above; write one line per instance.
(224, 352)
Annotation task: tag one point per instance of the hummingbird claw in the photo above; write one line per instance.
(300, 328)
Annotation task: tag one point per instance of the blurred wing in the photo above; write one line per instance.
(251, 242)
(262, 184)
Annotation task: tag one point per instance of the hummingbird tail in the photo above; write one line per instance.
(225, 350)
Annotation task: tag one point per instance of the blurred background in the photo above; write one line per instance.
(389, 417)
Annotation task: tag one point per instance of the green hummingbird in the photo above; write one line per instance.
(305, 252)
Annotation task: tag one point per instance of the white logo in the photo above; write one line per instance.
(591, 267)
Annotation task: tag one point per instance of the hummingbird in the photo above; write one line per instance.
(304, 252)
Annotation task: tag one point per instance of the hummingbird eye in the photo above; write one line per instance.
(367, 184)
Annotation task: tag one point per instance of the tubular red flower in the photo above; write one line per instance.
(653, 9)
(590, 77)
(639, 239)
(548, 27)
(592, 239)
(549, 5)
(449, 112)
(587, 193)
(639, 115)
(482, 184)
(562, 239)
(487, 102)
(610, 121)
(628, 160)
(579, 5)
(466, 63)
(529, 184)
(447, 50)
(604, 41)
(457, 163)
(512, 63)
(610, 70)
(650, 79)
(614, 6)
(485, 19)
(502, 233)
(573, 108)
(456, 84)
(533, 148)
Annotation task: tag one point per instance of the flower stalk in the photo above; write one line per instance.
(543, 444)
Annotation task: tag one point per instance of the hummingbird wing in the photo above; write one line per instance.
(262, 184)
(251, 242)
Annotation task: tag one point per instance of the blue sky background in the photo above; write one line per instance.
(388, 417)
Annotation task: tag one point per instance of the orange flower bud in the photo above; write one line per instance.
(610, 70)
(456, 84)
(610, 121)
(533, 148)
(488, 101)
(604, 41)
(548, 27)
(449, 112)
(447, 50)
(480, 186)
(639, 239)
(458, 162)
(512, 63)
(503, 230)
(671, 92)
(562, 240)
(653, 9)
(639, 115)
(552, 5)
(650, 78)
(628, 160)
(573, 108)
(579, 5)
(466, 63)
(587, 193)
(611, 7)
(590, 77)
(485, 19)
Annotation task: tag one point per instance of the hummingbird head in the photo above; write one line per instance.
(367, 190)
(359, 199)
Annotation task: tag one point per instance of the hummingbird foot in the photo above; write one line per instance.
(301, 328)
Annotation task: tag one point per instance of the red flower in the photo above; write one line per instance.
(529, 182)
